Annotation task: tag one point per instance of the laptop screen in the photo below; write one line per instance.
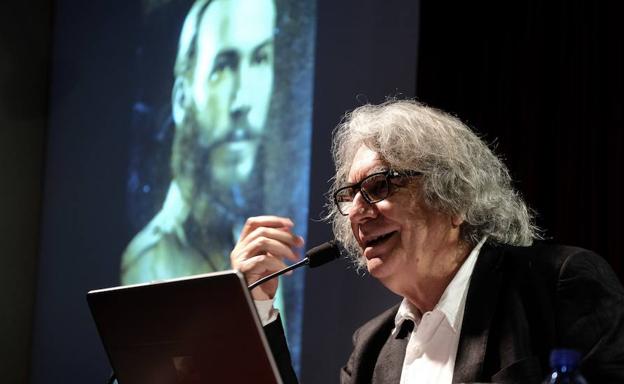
(197, 329)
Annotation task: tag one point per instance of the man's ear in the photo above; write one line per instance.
(457, 220)
(180, 98)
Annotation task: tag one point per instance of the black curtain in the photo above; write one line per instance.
(542, 81)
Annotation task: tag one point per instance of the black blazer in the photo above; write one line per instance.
(522, 302)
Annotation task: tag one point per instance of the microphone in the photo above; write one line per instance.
(315, 257)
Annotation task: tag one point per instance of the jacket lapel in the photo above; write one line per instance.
(481, 303)
(389, 364)
(369, 342)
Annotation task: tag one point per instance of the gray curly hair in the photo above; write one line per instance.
(461, 175)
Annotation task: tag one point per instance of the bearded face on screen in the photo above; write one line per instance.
(221, 97)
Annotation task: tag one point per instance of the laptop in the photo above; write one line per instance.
(198, 329)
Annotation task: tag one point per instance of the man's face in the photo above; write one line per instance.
(232, 84)
(401, 238)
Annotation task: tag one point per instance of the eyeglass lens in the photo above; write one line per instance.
(374, 188)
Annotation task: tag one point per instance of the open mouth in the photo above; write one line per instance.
(379, 239)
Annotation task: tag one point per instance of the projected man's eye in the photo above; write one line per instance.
(226, 61)
(263, 55)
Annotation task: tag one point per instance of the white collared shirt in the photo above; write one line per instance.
(432, 347)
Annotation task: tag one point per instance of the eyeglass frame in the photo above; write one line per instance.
(357, 187)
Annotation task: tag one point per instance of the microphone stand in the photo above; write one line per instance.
(280, 272)
(315, 257)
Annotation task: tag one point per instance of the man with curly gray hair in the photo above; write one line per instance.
(458, 174)
(425, 207)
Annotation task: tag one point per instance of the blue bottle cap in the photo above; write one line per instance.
(564, 357)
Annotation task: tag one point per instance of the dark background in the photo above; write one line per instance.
(542, 82)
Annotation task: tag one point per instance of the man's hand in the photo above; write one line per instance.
(264, 243)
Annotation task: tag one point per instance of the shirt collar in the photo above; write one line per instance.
(453, 299)
(406, 312)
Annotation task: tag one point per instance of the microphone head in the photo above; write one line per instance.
(323, 253)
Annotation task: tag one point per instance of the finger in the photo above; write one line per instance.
(282, 235)
(263, 246)
(264, 240)
(259, 266)
(265, 221)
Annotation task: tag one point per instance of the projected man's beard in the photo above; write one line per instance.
(193, 165)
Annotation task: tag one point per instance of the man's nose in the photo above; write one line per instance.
(241, 92)
(361, 209)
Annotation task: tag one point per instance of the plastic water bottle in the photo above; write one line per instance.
(564, 367)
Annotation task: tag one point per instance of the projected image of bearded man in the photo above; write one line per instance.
(220, 101)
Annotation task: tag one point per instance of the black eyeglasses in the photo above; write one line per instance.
(374, 188)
